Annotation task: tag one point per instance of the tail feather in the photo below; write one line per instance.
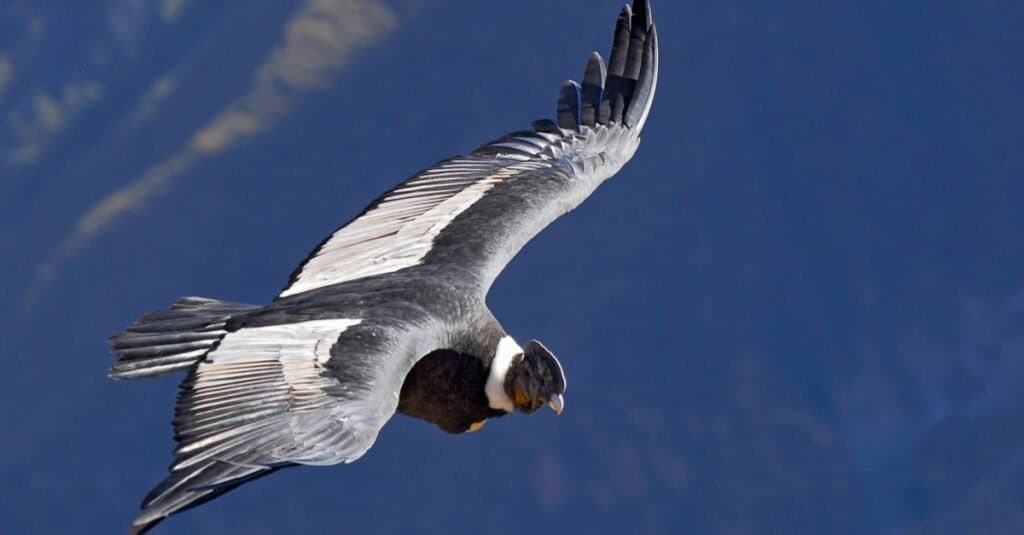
(170, 340)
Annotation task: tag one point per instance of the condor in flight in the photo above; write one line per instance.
(388, 313)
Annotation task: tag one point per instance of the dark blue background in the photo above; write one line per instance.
(799, 309)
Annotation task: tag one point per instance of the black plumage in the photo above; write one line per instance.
(446, 388)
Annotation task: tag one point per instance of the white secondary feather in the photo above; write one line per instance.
(266, 386)
(398, 232)
(307, 341)
(504, 356)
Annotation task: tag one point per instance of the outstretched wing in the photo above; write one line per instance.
(473, 213)
(267, 397)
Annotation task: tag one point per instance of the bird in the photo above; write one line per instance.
(388, 313)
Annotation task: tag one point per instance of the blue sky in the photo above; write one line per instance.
(799, 309)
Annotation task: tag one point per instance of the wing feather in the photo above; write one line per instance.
(263, 399)
(397, 231)
(482, 208)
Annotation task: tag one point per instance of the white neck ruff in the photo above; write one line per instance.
(504, 356)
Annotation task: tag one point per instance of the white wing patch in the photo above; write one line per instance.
(261, 391)
(399, 231)
(307, 341)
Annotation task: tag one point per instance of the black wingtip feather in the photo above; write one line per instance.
(592, 90)
(621, 91)
(643, 91)
(642, 13)
(620, 42)
(639, 25)
(569, 106)
(611, 106)
(607, 92)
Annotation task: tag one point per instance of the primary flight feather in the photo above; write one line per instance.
(388, 313)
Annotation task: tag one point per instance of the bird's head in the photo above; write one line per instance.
(535, 378)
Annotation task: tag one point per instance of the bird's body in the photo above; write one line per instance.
(388, 313)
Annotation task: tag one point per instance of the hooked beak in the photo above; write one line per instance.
(557, 403)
